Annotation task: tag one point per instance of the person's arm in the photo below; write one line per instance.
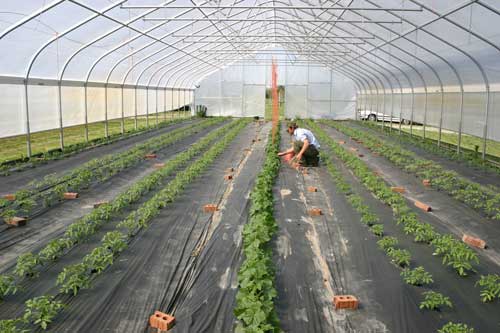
(285, 152)
(298, 157)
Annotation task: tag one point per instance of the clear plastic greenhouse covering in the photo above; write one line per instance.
(67, 62)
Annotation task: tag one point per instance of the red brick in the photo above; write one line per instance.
(70, 195)
(315, 212)
(100, 203)
(210, 208)
(10, 197)
(341, 142)
(426, 182)
(422, 206)
(345, 302)
(398, 189)
(17, 221)
(150, 156)
(473, 241)
(228, 177)
(312, 189)
(161, 321)
(158, 165)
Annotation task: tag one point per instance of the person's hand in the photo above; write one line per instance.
(298, 157)
(281, 154)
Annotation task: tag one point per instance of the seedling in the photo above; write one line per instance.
(417, 276)
(41, 310)
(115, 241)
(434, 301)
(378, 229)
(7, 286)
(10, 326)
(490, 287)
(456, 328)
(26, 264)
(387, 242)
(73, 278)
(399, 257)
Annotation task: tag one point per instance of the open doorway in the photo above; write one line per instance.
(269, 102)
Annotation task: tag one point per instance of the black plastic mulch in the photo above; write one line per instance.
(53, 222)
(185, 263)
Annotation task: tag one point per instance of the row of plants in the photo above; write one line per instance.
(79, 276)
(454, 253)
(44, 193)
(389, 244)
(472, 158)
(80, 231)
(255, 308)
(18, 165)
(483, 199)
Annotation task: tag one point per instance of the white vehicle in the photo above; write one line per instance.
(378, 116)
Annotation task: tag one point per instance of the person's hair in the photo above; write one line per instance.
(292, 124)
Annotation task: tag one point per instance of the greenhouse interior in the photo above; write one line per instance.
(250, 166)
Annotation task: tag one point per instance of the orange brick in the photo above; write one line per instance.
(345, 302)
(158, 165)
(422, 206)
(210, 208)
(70, 195)
(398, 189)
(426, 182)
(228, 177)
(341, 142)
(10, 197)
(473, 241)
(312, 189)
(161, 321)
(150, 156)
(353, 149)
(17, 221)
(229, 170)
(315, 212)
(100, 203)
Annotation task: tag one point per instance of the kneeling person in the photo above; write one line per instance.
(305, 146)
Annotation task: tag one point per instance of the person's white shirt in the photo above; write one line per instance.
(300, 134)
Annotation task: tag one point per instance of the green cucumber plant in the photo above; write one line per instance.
(417, 276)
(73, 278)
(377, 229)
(387, 242)
(490, 287)
(400, 257)
(26, 265)
(41, 310)
(434, 301)
(455, 328)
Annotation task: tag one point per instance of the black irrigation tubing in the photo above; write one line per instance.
(485, 200)
(79, 276)
(471, 157)
(52, 188)
(18, 165)
(255, 307)
(88, 225)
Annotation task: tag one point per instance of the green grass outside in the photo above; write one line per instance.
(468, 141)
(269, 110)
(15, 147)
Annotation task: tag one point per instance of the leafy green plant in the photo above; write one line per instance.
(97, 260)
(490, 287)
(11, 326)
(399, 257)
(456, 328)
(377, 229)
(26, 264)
(115, 241)
(434, 301)
(7, 286)
(74, 278)
(54, 249)
(387, 242)
(41, 310)
(417, 276)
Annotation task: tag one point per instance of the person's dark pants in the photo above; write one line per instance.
(310, 156)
